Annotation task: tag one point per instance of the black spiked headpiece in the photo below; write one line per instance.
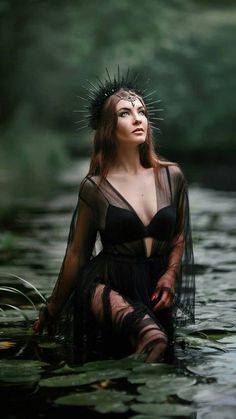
(99, 93)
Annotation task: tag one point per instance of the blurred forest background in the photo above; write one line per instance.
(50, 47)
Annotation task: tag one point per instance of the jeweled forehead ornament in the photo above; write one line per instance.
(99, 93)
(130, 98)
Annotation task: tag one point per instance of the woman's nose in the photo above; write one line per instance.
(137, 118)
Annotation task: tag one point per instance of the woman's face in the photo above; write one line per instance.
(132, 122)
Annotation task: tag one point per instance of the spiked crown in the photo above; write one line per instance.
(99, 93)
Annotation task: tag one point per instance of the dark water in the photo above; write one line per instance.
(201, 384)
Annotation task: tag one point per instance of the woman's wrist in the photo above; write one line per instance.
(45, 313)
(173, 269)
(167, 280)
(51, 308)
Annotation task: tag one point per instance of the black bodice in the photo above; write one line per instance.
(124, 225)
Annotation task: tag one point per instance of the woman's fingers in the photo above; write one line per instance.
(156, 294)
(164, 302)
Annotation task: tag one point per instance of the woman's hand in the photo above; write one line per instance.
(44, 320)
(164, 293)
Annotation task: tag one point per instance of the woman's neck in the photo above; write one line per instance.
(127, 161)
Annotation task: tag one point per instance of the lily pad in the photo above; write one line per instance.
(173, 382)
(21, 380)
(197, 342)
(20, 371)
(19, 364)
(149, 372)
(74, 380)
(49, 345)
(15, 332)
(104, 401)
(104, 365)
(212, 334)
(152, 395)
(159, 390)
(208, 327)
(162, 409)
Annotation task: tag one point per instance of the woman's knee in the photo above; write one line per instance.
(156, 350)
(152, 340)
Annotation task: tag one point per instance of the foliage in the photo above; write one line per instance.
(30, 158)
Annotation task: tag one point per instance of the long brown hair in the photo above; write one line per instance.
(104, 146)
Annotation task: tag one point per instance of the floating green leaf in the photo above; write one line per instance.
(20, 371)
(104, 365)
(49, 345)
(163, 387)
(162, 409)
(149, 372)
(197, 342)
(74, 380)
(104, 401)
(15, 332)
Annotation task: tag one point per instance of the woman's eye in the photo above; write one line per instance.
(126, 113)
(142, 112)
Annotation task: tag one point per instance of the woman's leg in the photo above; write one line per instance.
(131, 320)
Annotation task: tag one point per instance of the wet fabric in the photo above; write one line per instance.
(112, 277)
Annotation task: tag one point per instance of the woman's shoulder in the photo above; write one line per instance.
(89, 181)
(172, 167)
(91, 186)
(87, 186)
(175, 170)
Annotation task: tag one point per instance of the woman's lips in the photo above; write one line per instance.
(138, 130)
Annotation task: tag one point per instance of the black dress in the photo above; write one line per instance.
(112, 279)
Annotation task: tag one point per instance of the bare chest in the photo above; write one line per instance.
(139, 192)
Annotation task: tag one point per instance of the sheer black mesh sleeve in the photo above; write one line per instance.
(181, 259)
(81, 240)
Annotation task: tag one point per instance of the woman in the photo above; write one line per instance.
(127, 298)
